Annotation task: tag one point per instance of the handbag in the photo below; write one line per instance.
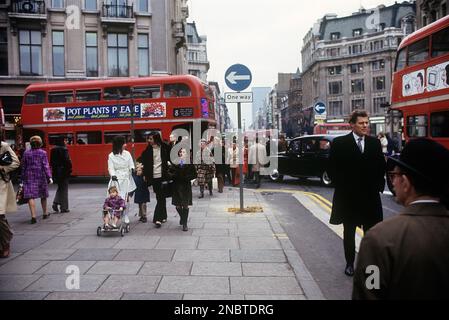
(5, 159)
(167, 188)
(20, 199)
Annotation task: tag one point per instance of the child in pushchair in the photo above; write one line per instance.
(113, 212)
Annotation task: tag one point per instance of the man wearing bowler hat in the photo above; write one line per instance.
(407, 256)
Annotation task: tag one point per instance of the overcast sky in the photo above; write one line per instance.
(264, 35)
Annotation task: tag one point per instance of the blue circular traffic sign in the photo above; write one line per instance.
(238, 77)
(320, 108)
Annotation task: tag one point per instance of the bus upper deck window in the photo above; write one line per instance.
(440, 43)
(36, 97)
(60, 96)
(153, 92)
(401, 60)
(177, 90)
(418, 52)
(88, 95)
(117, 93)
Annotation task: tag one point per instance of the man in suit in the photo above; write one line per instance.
(357, 169)
(407, 256)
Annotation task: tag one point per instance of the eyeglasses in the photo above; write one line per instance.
(392, 174)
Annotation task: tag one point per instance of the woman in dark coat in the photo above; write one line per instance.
(61, 167)
(182, 174)
(155, 159)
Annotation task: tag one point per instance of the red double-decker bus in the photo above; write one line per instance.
(420, 88)
(89, 114)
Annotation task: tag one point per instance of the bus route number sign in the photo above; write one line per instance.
(182, 112)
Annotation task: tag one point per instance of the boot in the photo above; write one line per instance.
(185, 218)
(179, 210)
(6, 251)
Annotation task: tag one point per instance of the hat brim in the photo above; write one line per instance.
(391, 162)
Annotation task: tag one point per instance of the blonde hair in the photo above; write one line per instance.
(35, 142)
(113, 188)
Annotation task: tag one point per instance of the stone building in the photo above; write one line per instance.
(197, 61)
(54, 40)
(348, 62)
(428, 11)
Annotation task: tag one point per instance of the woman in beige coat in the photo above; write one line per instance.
(7, 199)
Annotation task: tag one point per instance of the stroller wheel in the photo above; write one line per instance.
(122, 232)
(99, 231)
(127, 228)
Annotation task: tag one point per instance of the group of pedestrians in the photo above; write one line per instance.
(409, 251)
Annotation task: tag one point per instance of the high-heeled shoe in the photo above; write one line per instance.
(6, 251)
(33, 220)
(45, 216)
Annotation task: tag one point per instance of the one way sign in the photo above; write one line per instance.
(238, 77)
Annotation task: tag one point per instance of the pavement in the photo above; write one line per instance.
(223, 256)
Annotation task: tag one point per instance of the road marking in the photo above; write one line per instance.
(321, 208)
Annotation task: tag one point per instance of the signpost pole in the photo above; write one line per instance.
(242, 155)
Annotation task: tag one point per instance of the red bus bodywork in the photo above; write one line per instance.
(160, 104)
(332, 128)
(420, 88)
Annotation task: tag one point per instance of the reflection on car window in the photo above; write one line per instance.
(324, 145)
(308, 145)
(295, 146)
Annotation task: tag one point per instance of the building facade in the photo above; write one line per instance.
(197, 61)
(294, 120)
(54, 40)
(258, 106)
(348, 62)
(428, 11)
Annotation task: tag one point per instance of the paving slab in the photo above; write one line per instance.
(217, 269)
(218, 243)
(60, 267)
(52, 283)
(94, 255)
(258, 256)
(267, 270)
(145, 255)
(194, 284)
(130, 284)
(202, 255)
(84, 296)
(137, 242)
(151, 296)
(265, 285)
(13, 283)
(177, 242)
(21, 267)
(177, 268)
(116, 267)
(23, 295)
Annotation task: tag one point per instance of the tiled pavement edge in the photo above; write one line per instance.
(222, 256)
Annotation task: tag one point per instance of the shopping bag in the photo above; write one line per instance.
(20, 199)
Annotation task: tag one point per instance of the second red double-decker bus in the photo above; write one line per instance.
(89, 114)
(420, 88)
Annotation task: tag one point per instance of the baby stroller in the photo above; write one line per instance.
(122, 227)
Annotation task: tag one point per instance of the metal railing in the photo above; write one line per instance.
(117, 11)
(28, 6)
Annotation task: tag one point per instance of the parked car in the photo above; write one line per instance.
(306, 157)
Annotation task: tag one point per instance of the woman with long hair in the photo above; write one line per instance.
(36, 177)
(155, 159)
(120, 167)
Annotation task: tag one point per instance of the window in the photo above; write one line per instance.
(195, 73)
(355, 49)
(357, 32)
(295, 146)
(88, 95)
(335, 87)
(378, 104)
(440, 45)
(88, 137)
(58, 53)
(37, 97)
(3, 52)
(91, 54)
(439, 124)
(142, 6)
(335, 108)
(417, 126)
(333, 52)
(147, 92)
(30, 47)
(335, 35)
(418, 52)
(141, 136)
(143, 47)
(117, 93)
(117, 54)
(60, 96)
(334, 70)
(377, 45)
(381, 27)
(57, 4)
(109, 136)
(356, 68)
(358, 104)
(54, 137)
(177, 90)
(90, 5)
(357, 86)
(308, 145)
(379, 83)
(401, 60)
(378, 65)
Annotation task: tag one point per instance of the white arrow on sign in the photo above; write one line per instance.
(233, 77)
